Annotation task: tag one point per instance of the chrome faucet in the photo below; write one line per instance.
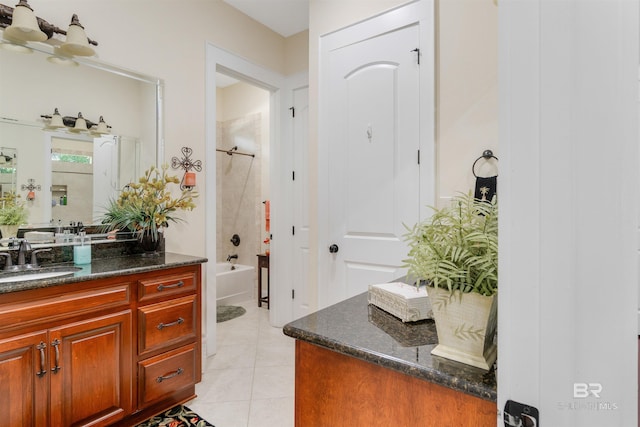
(25, 246)
(230, 257)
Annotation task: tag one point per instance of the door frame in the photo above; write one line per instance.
(420, 12)
(218, 59)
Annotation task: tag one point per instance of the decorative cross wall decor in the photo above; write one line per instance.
(188, 179)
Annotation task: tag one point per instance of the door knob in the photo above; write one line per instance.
(333, 248)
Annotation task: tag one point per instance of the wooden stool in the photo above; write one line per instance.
(263, 262)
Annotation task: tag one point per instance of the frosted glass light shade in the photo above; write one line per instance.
(56, 120)
(77, 42)
(101, 128)
(24, 25)
(81, 124)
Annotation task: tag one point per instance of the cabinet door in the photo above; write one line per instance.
(91, 369)
(24, 381)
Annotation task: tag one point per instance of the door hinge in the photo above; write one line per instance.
(418, 156)
(293, 175)
(293, 293)
(293, 111)
(417, 51)
(293, 230)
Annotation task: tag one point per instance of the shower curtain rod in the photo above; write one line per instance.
(233, 151)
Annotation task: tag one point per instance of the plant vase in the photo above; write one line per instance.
(9, 230)
(466, 326)
(151, 245)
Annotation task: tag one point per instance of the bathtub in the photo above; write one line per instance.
(233, 286)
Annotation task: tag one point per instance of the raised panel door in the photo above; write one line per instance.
(24, 381)
(91, 371)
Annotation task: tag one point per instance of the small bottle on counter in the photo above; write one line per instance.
(82, 249)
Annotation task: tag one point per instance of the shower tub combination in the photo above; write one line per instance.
(234, 283)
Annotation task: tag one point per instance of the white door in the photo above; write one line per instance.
(373, 105)
(300, 200)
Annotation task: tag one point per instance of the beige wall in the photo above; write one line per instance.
(166, 38)
(467, 88)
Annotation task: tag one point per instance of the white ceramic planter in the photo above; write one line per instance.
(9, 231)
(466, 326)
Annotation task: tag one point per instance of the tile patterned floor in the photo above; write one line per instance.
(250, 381)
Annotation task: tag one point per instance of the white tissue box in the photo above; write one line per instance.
(39, 236)
(404, 301)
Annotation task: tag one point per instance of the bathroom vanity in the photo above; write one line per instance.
(357, 365)
(114, 343)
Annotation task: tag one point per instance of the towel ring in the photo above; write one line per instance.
(487, 154)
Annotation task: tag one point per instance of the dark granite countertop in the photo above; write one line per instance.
(106, 267)
(355, 328)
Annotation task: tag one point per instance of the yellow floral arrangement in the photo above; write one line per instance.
(147, 206)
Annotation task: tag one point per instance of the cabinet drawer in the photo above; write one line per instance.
(166, 374)
(65, 304)
(166, 286)
(166, 323)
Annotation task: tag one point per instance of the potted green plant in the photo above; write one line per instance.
(146, 207)
(455, 252)
(12, 214)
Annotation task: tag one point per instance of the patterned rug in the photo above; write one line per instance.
(228, 312)
(178, 416)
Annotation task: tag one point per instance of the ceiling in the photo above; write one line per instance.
(285, 17)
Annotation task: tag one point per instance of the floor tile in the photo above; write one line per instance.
(249, 382)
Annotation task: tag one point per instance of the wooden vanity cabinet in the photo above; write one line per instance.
(92, 353)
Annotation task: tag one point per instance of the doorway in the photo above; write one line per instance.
(280, 90)
(242, 183)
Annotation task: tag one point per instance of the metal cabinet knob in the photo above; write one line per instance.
(333, 248)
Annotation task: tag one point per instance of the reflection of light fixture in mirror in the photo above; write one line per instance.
(75, 124)
(61, 58)
(77, 42)
(81, 124)
(24, 25)
(56, 120)
(101, 128)
(15, 46)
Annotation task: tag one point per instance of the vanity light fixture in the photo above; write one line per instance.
(21, 25)
(188, 181)
(24, 25)
(76, 124)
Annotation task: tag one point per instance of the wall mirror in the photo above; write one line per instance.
(74, 173)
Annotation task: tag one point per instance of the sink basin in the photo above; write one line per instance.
(39, 274)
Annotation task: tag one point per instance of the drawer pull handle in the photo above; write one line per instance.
(175, 285)
(161, 326)
(171, 375)
(55, 344)
(41, 348)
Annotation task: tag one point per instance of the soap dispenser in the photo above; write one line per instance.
(82, 249)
